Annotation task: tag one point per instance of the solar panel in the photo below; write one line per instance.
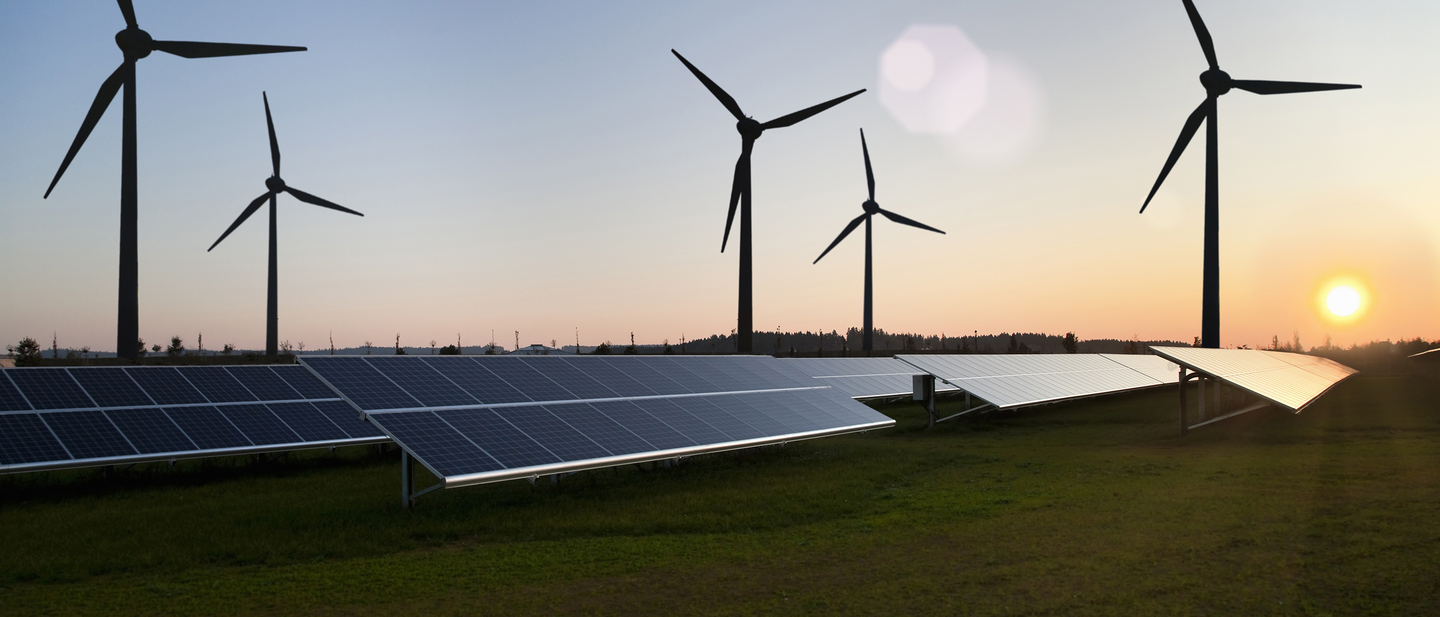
(1019, 380)
(54, 418)
(538, 415)
(862, 378)
(1290, 380)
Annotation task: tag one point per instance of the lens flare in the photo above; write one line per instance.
(1343, 301)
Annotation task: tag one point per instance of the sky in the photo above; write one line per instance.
(550, 168)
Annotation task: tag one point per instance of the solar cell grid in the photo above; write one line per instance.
(49, 388)
(680, 420)
(755, 411)
(88, 434)
(479, 382)
(150, 430)
(165, 385)
(216, 384)
(734, 428)
(345, 417)
(263, 383)
(549, 431)
(642, 424)
(561, 371)
(302, 381)
(422, 382)
(307, 421)
(447, 452)
(25, 439)
(613, 378)
(259, 424)
(10, 399)
(661, 383)
(601, 429)
(207, 428)
(361, 383)
(110, 387)
(526, 380)
(498, 438)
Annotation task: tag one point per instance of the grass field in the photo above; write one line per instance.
(1094, 507)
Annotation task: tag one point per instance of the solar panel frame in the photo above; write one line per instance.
(1014, 381)
(863, 378)
(1288, 380)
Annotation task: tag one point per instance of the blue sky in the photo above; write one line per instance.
(544, 167)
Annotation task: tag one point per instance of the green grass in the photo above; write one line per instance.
(1094, 507)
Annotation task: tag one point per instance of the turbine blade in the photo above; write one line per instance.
(128, 10)
(1202, 33)
(1286, 87)
(274, 145)
(848, 228)
(108, 88)
(869, 174)
(784, 121)
(725, 99)
(313, 200)
(904, 221)
(191, 49)
(1192, 124)
(249, 210)
(742, 165)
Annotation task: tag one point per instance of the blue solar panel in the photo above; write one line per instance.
(682, 374)
(600, 429)
(446, 450)
(345, 417)
(10, 399)
(722, 372)
(475, 379)
(735, 428)
(263, 383)
(25, 439)
(303, 381)
(207, 428)
(525, 379)
(646, 426)
(419, 380)
(48, 388)
(216, 384)
(111, 387)
(560, 371)
(549, 431)
(259, 424)
(305, 419)
(662, 383)
(772, 414)
(613, 378)
(88, 434)
(687, 424)
(361, 383)
(165, 385)
(498, 438)
(150, 430)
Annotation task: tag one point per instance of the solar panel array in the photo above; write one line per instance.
(1290, 380)
(861, 378)
(55, 418)
(476, 419)
(1020, 380)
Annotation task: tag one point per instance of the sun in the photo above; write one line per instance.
(1342, 300)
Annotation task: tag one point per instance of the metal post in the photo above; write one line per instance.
(923, 390)
(407, 480)
(1184, 421)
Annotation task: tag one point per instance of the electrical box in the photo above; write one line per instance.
(924, 387)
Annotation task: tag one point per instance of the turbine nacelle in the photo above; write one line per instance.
(135, 42)
(1216, 81)
(749, 128)
(275, 184)
(870, 206)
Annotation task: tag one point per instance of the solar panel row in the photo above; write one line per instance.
(52, 418)
(1011, 381)
(862, 378)
(1287, 379)
(486, 419)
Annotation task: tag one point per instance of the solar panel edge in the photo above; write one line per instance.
(338, 394)
(184, 455)
(644, 457)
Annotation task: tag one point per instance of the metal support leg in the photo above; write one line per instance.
(407, 480)
(1184, 421)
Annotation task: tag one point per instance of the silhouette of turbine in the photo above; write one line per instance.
(750, 131)
(273, 187)
(136, 44)
(871, 209)
(1217, 82)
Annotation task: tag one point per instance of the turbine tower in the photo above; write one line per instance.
(871, 209)
(1217, 82)
(273, 187)
(136, 44)
(749, 130)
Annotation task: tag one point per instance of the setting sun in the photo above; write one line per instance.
(1343, 301)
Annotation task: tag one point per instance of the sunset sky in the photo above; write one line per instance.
(547, 166)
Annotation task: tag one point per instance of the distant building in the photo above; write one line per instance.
(539, 350)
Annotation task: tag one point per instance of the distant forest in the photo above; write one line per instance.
(834, 343)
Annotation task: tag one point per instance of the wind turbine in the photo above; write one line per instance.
(1217, 82)
(273, 187)
(136, 44)
(749, 130)
(871, 209)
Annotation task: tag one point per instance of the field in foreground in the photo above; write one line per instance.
(1088, 508)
